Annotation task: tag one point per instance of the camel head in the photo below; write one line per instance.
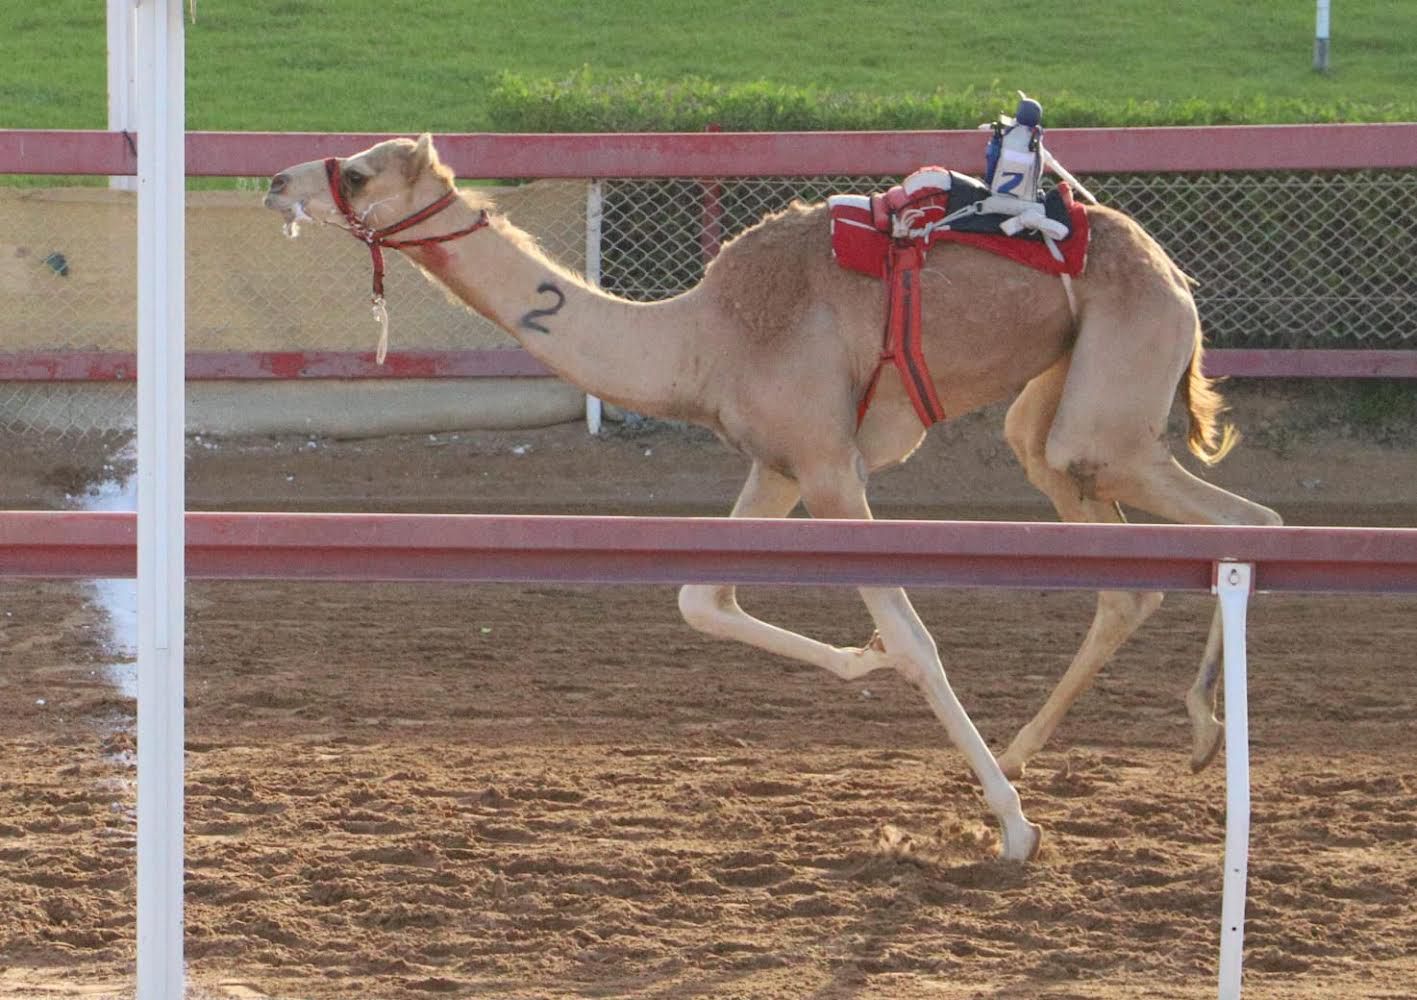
(384, 183)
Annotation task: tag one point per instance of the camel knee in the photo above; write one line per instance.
(707, 607)
(1089, 474)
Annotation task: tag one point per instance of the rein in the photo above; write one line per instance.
(378, 239)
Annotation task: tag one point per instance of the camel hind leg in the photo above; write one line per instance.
(1118, 614)
(1163, 487)
(1207, 731)
(1107, 437)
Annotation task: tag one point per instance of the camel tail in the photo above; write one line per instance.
(1209, 438)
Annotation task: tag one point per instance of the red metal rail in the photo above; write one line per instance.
(484, 548)
(120, 366)
(1250, 363)
(745, 154)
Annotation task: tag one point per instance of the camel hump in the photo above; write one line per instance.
(760, 278)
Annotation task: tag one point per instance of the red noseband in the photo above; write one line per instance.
(377, 239)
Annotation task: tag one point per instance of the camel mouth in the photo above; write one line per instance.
(293, 213)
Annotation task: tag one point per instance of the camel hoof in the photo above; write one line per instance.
(1024, 848)
(1012, 767)
(1206, 745)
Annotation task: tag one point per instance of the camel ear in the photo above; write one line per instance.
(424, 157)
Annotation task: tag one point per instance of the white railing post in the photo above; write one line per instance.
(122, 85)
(594, 214)
(1233, 583)
(161, 494)
(1321, 36)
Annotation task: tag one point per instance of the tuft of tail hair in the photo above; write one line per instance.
(1209, 437)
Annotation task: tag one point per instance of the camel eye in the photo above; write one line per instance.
(354, 178)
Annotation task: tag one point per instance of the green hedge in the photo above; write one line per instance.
(587, 102)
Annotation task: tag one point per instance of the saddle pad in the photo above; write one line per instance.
(1030, 249)
(861, 225)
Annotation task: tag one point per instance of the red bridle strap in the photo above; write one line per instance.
(377, 239)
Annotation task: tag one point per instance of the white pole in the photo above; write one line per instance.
(594, 215)
(1321, 37)
(1233, 583)
(122, 87)
(161, 497)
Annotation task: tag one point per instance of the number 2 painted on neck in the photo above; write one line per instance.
(529, 321)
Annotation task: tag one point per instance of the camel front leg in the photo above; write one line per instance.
(902, 641)
(907, 645)
(714, 608)
(915, 655)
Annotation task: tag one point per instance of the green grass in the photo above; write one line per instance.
(408, 65)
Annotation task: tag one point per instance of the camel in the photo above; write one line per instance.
(774, 349)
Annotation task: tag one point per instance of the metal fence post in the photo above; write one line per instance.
(161, 495)
(594, 217)
(122, 86)
(1321, 37)
(1233, 582)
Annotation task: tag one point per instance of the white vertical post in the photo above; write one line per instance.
(161, 496)
(122, 86)
(1321, 37)
(594, 215)
(1233, 582)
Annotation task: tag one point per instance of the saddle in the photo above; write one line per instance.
(887, 234)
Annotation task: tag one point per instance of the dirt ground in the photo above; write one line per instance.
(545, 791)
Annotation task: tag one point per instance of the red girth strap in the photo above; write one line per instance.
(378, 238)
(903, 335)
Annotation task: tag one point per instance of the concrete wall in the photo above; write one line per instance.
(68, 282)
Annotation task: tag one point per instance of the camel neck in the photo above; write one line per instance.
(636, 355)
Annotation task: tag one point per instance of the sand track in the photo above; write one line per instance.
(546, 791)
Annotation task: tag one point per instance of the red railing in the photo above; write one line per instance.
(486, 548)
(744, 154)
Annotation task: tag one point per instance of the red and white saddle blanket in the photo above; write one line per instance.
(886, 235)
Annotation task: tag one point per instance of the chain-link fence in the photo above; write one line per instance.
(1283, 260)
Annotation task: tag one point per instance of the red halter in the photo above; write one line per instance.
(376, 239)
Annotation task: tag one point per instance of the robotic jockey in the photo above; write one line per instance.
(1013, 160)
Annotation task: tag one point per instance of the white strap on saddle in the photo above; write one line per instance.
(1031, 216)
